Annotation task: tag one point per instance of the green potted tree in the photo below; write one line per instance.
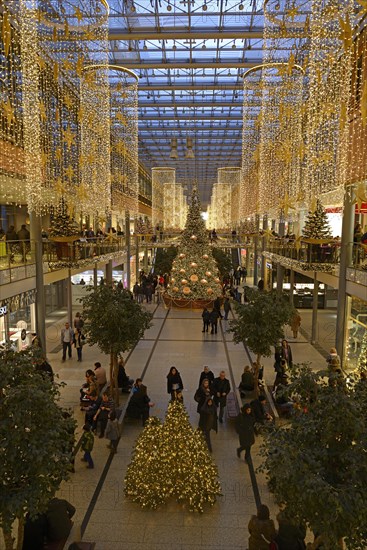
(63, 231)
(36, 440)
(114, 322)
(316, 463)
(260, 323)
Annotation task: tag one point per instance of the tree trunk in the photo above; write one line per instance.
(257, 366)
(114, 379)
(20, 533)
(8, 539)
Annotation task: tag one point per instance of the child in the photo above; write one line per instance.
(112, 431)
(87, 443)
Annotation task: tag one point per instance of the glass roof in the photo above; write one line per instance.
(190, 57)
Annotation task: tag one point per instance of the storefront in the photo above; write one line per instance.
(356, 348)
(18, 319)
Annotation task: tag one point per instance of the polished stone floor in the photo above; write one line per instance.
(104, 513)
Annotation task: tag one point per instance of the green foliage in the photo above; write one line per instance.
(224, 261)
(260, 323)
(164, 259)
(317, 465)
(35, 438)
(113, 320)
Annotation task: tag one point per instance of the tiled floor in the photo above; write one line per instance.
(111, 520)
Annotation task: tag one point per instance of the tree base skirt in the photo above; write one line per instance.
(183, 303)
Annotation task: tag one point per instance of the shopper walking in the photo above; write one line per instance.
(262, 530)
(206, 319)
(206, 373)
(86, 444)
(214, 315)
(79, 339)
(67, 338)
(202, 394)
(174, 382)
(227, 308)
(246, 431)
(208, 420)
(295, 323)
(221, 388)
(112, 431)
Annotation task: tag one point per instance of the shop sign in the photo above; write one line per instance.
(3, 310)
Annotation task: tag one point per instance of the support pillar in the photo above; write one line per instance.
(69, 296)
(315, 306)
(137, 266)
(95, 276)
(36, 239)
(280, 278)
(146, 267)
(291, 289)
(263, 248)
(109, 273)
(128, 250)
(256, 246)
(346, 256)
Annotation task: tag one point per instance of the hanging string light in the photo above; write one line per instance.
(231, 176)
(160, 176)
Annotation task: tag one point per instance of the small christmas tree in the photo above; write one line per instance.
(62, 224)
(194, 272)
(143, 481)
(172, 461)
(317, 225)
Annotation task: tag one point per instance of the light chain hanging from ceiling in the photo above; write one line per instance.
(329, 73)
(56, 40)
(12, 165)
(160, 176)
(232, 176)
(174, 206)
(123, 137)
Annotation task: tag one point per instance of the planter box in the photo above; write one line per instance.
(182, 303)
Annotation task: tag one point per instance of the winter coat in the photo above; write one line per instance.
(174, 379)
(201, 396)
(258, 527)
(245, 429)
(208, 418)
(287, 355)
(258, 411)
(220, 386)
(296, 321)
(214, 316)
(208, 375)
(112, 430)
(290, 537)
(138, 404)
(206, 315)
(59, 514)
(247, 381)
(227, 306)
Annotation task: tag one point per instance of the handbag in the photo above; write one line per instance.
(272, 544)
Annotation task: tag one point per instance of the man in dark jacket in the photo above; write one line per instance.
(206, 319)
(221, 388)
(24, 240)
(214, 315)
(258, 410)
(59, 514)
(206, 373)
(246, 431)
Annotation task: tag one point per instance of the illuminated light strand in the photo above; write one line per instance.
(160, 176)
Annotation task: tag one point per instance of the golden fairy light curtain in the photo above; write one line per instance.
(56, 40)
(231, 176)
(174, 205)
(329, 73)
(160, 176)
(12, 166)
(249, 188)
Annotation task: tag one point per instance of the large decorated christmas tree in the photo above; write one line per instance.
(194, 273)
(317, 225)
(172, 461)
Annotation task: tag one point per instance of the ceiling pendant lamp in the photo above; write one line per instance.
(189, 151)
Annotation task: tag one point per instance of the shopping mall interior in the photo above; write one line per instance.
(116, 121)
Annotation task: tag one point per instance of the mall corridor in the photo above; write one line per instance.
(105, 515)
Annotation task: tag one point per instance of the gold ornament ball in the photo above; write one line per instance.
(205, 256)
(182, 255)
(173, 280)
(193, 237)
(193, 264)
(217, 280)
(194, 278)
(186, 290)
(175, 289)
(184, 282)
(182, 270)
(208, 273)
(204, 282)
(210, 291)
(173, 269)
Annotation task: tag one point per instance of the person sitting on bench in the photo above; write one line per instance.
(247, 381)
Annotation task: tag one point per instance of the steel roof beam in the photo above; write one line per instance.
(176, 34)
(209, 86)
(198, 116)
(183, 104)
(194, 64)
